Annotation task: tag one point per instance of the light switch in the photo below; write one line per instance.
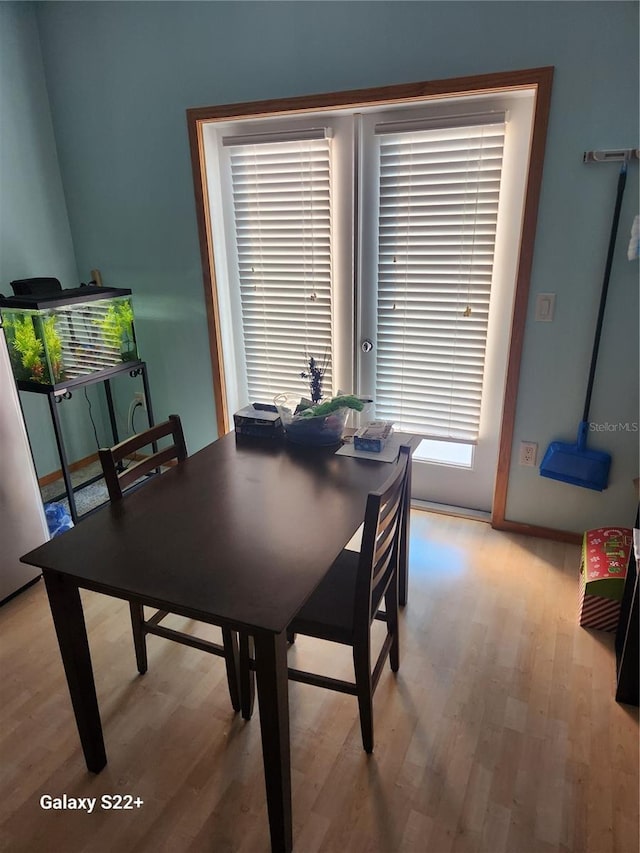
(545, 307)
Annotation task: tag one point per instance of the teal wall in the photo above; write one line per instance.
(120, 76)
(35, 238)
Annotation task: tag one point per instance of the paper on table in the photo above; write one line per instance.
(389, 452)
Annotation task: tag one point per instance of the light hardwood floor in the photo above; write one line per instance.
(499, 734)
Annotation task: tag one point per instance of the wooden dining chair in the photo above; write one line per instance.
(118, 478)
(347, 601)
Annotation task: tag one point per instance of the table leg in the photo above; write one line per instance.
(247, 679)
(273, 702)
(68, 619)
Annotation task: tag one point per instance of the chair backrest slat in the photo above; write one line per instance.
(380, 540)
(110, 457)
(387, 525)
(143, 466)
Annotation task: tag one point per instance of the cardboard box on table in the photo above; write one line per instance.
(605, 556)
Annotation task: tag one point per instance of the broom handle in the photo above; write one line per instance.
(605, 287)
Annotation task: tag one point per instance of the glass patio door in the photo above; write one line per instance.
(442, 197)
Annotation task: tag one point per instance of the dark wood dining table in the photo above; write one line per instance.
(239, 535)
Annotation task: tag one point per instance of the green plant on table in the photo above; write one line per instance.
(344, 401)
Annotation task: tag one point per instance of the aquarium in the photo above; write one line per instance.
(68, 334)
(317, 424)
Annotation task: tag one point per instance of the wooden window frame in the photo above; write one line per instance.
(539, 79)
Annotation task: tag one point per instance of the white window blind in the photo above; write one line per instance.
(282, 217)
(438, 206)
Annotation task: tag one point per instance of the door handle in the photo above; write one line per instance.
(366, 345)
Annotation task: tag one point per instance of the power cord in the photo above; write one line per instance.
(93, 424)
(135, 404)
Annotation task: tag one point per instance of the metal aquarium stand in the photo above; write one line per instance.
(61, 391)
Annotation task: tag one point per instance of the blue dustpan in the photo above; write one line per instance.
(573, 463)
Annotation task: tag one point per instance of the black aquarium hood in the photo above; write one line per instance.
(40, 293)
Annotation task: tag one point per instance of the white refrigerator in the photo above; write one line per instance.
(22, 521)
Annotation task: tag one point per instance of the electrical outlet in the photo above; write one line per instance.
(528, 453)
(139, 399)
(545, 307)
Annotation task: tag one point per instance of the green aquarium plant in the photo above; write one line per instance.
(53, 346)
(117, 328)
(29, 348)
